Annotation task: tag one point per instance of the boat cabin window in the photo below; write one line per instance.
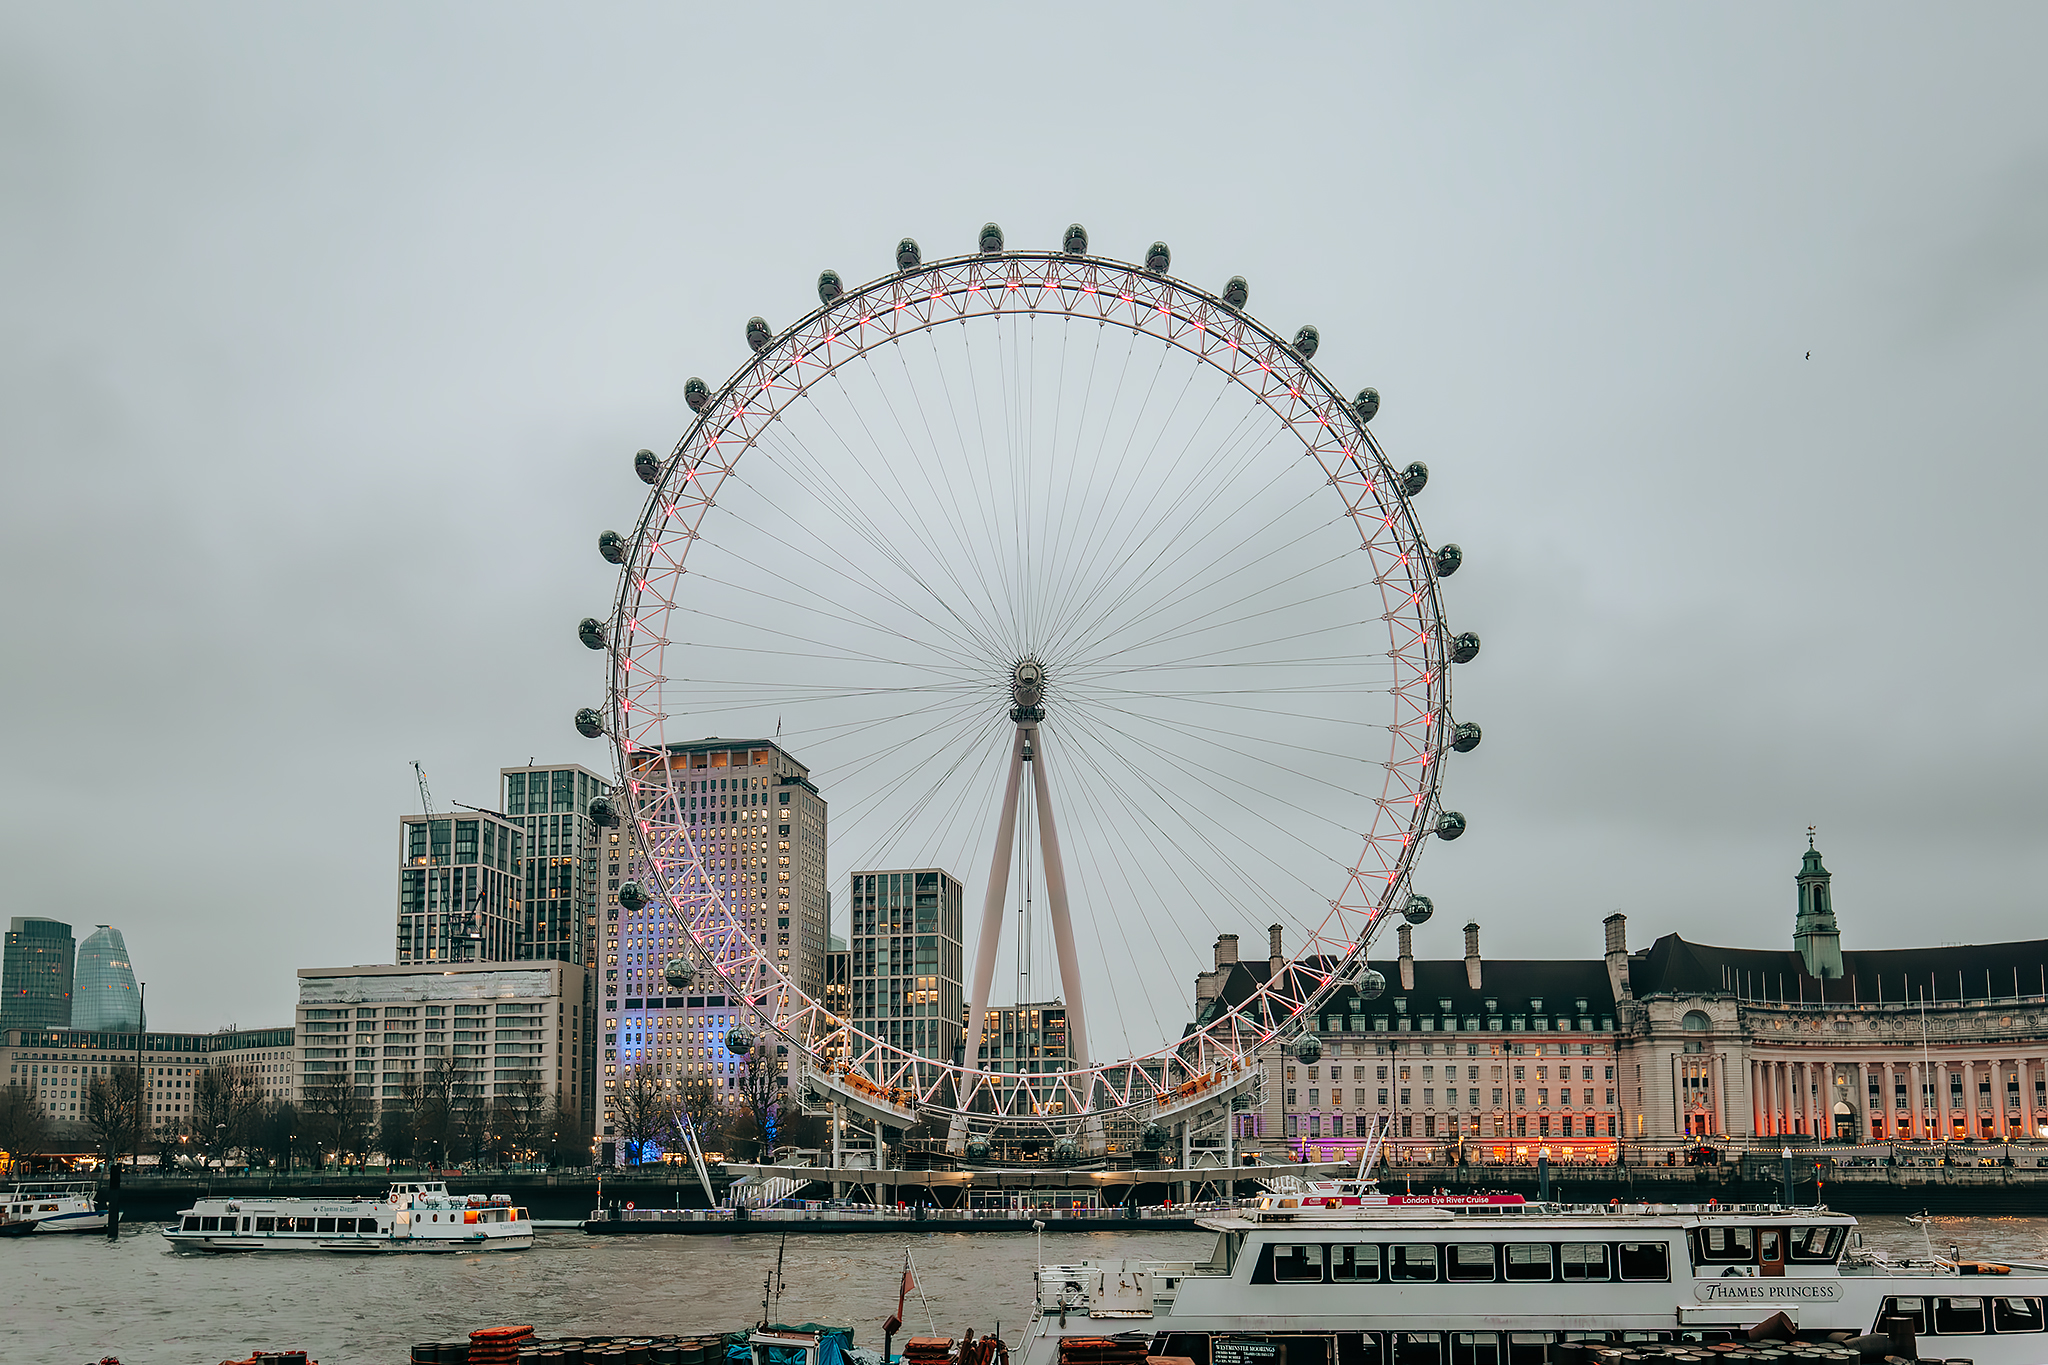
(1419, 1348)
(1297, 1264)
(1644, 1260)
(1584, 1261)
(1475, 1348)
(191, 1224)
(1528, 1348)
(1958, 1317)
(1912, 1310)
(323, 1225)
(366, 1225)
(209, 1224)
(1526, 1261)
(266, 1225)
(1725, 1245)
(2017, 1315)
(1468, 1261)
(1816, 1245)
(1412, 1263)
(1354, 1263)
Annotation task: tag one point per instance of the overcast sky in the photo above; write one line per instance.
(329, 334)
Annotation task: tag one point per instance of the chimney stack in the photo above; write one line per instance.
(1617, 955)
(1226, 950)
(1274, 958)
(1472, 956)
(1407, 957)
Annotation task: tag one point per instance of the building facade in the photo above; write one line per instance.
(460, 888)
(757, 825)
(1638, 1054)
(36, 974)
(905, 960)
(560, 861)
(58, 1066)
(103, 994)
(494, 1027)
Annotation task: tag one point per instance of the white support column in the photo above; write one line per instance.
(991, 935)
(1062, 922)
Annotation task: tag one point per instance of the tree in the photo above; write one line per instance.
(428, 1095)
(395, 1133)
(225, 1103)
(340, 1115)
(24, 1127)
(759, 1089)
(568, 1141)
(276, 1130)
(639, 1110)
(115, 1113)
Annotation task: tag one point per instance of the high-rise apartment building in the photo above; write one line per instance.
(460, 887)
(35, 974)
(904, 979)
(551, 803)
(759, 825)
(103, 994)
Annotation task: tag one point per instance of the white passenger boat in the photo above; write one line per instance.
(1342, 1274)
(51, 1206)
(414, 1216)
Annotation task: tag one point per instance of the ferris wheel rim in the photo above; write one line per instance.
(1227, 1044)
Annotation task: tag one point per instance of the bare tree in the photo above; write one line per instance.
(341, 1116)
(24, 1127)
(114, 1112)
(429, 1094)
(568, 1141)
(225, 1103)
(639, 1109)
(758, 1121)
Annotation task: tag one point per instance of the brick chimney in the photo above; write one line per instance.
(1472, 956)
(1617, 955)
(1274, 957)
(1208, 985)
(1407, 957)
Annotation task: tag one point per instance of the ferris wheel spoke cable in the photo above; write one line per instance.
(975, 735)
(814, 606)
(1183, 631)
(984, 507)
(1060, 513)
(1286, 870)
(1087, 531)
(904, 497)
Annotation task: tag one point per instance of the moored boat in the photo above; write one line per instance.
(37, 1207)
(413, 1216)
(1345, 1275)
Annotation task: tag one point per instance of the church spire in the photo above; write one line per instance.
(1815, 935)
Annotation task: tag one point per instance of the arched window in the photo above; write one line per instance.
(1696, 1021)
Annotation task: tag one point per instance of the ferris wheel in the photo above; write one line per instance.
(1071, 577)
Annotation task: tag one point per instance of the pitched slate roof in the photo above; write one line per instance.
(1986, 971)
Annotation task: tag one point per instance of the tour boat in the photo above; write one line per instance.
(412, 1216)
(1338, 1273)
(59, 1206)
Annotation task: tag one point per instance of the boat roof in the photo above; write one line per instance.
(1451, 1211)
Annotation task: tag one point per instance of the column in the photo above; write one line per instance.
(1756, 1101)
(2029, 1121)
(1859, 1103)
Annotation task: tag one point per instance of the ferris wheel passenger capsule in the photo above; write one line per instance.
(1372, 985)
(590, 631)
(739, 1039)
(603, 813)
(631, 897)
(758, 334)
(612, 546)
(648, 467)
(907, 254)
(1158, 259)
(1308, 1049)
(1419, 908)
(696, 393)
(991, 238)
(1366, 404)
(1448, 558)
(1414, 479)
(977, 1148)
(1066, 1150)
(1464, 647)
(589, 723)
(1236, 292)
(1449, 825)
(1465, 738)
(1153, 1138)
(1306, 341)
(1075, 242)
(830, 286)
(678, 972)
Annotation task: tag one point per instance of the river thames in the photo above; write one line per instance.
(73, 1300)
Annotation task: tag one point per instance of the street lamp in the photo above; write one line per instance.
(220, 1150)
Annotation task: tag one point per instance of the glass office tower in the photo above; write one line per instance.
(104, 997)
(36, 975)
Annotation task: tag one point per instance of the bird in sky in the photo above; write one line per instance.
(1809, 355)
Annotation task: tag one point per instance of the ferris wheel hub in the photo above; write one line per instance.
(1027, 690)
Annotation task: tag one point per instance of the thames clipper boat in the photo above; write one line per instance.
(413, 1216)
(51, 1206)
(1337, 1273)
